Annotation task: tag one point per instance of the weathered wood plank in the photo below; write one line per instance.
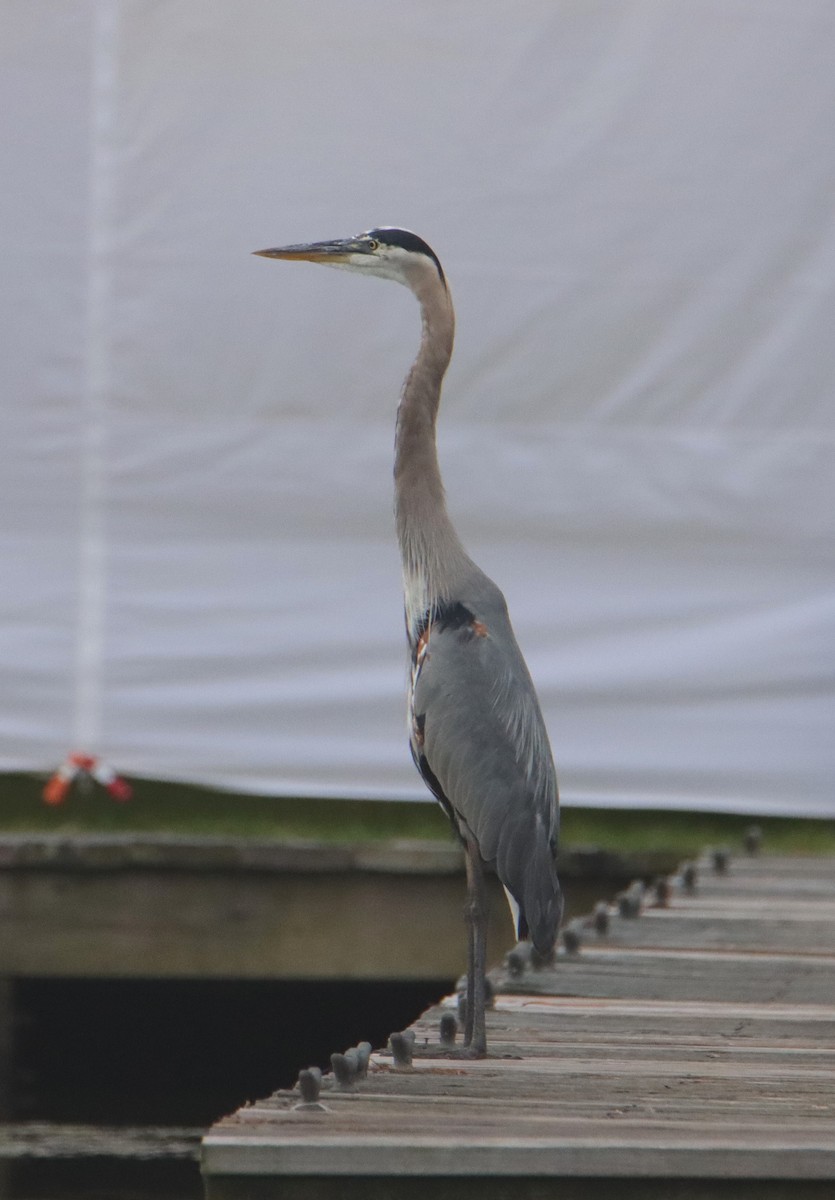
(498, 1187)
(806, 928)
(128, 906)
(321, 920)
(812, 877)
(688, 975)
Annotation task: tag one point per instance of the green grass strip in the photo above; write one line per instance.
(186, 809)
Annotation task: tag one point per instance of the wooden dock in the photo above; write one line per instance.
(687, 1053)
(163, 906)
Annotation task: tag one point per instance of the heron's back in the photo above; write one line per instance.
(479, 740)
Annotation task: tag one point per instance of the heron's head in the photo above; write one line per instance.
(388, 252)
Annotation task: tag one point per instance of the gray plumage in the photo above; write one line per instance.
(475, 727)
(479, 740)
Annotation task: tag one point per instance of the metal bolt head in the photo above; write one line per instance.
(720, 858)
(572, 937)
(753, 839)
(462, 1007)
(310, 1085)
(344, 1067)
(449, 1030)
(689, 877)
(401, 1045)
(629, 902)
(600, 918)
(515, 960)
(363, 1053)
(637, 890)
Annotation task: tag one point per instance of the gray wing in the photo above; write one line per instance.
(478, 738)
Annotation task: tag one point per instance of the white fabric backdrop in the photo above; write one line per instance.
(634, 204)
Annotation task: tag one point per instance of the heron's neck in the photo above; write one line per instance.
(430, 550)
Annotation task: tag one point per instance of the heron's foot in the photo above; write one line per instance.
(429, 1049)
(453, 1053)
(474, 1051)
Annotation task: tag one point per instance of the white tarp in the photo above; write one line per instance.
(634, 204)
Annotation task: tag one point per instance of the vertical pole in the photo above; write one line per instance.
(6, 1046)
(7, 1027)
(92, 567)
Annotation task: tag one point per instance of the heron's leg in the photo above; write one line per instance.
(475, 1033)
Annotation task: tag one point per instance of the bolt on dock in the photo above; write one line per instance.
(681, 1044)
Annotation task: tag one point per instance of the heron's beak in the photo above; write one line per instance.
(323, 252)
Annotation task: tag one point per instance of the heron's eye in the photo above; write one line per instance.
(373, 244)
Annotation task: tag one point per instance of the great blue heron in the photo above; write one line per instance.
(475, 727)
